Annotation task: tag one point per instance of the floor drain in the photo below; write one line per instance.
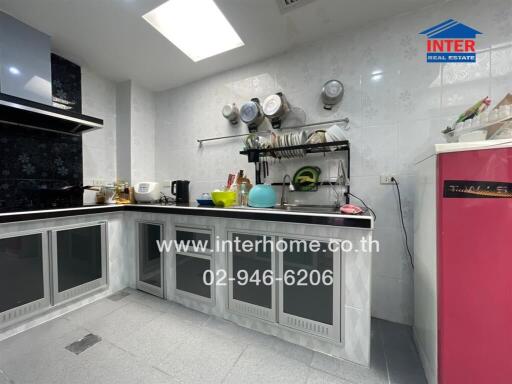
(85, 342)
(118, 296)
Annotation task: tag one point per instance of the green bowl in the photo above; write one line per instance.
(224, 199)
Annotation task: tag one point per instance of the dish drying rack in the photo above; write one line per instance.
(454, 135)
(257, 154)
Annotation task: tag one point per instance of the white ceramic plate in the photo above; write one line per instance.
(296, 142)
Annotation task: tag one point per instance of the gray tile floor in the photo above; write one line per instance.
(148, 340)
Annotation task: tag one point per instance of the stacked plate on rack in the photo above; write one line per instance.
(289, 140)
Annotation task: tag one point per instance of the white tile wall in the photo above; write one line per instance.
(99, 146)
(394, 117)
(142, 135)
(138, 124)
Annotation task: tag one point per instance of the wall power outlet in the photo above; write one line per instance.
(388, 179)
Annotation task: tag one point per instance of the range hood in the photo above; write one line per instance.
(30, 114)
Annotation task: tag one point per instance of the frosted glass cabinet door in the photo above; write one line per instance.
(195, 240)
(190, 276)
(24, 276)
(79, 260)
(309, 300)
(195, 263)
(251, 273)
(149, 258)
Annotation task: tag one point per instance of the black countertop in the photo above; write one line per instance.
(334, 219)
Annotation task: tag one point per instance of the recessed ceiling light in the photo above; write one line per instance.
(197, 27)
(14, 71)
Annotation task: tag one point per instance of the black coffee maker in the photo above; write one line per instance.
(179, 189)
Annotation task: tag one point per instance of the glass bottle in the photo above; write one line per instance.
(244, 192)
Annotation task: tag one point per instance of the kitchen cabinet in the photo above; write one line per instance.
(309, 300)
(79, 259)
(194, 239)
(251, 273)
(25, 69)
(195, 272)
(24, 275)
(149, 258)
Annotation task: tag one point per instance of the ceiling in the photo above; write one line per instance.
(111, 38)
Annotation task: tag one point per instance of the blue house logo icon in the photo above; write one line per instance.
(451, 42)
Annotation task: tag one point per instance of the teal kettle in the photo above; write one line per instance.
(262, 196)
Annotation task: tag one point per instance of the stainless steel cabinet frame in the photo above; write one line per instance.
(201, 232)
(68, 294)
(330, 331)
(144, 285)
(243, 307)
(192, 295)
(24, 311)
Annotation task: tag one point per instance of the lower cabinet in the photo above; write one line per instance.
(79, 260)
(295, 282)
(250, 275)
(192, 274)
(47, 267)
(195, 272)
(24, 275)
(309, 287)
(149, 258)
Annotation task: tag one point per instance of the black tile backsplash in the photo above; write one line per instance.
(33, 164)
(66, 84)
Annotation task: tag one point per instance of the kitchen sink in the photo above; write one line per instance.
(308, 208)
(298, 208)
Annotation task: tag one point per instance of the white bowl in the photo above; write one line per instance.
(335, 132)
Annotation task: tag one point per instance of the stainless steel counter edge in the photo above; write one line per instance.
(333, 219)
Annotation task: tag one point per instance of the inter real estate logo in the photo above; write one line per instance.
(451, 42)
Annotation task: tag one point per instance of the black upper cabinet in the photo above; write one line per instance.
(66, 84)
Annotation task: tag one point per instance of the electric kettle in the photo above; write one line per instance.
(179, 189)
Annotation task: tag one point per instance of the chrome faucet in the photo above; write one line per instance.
(341, 180)
(291, 188)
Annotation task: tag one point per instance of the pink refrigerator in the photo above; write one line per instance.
(464, 263)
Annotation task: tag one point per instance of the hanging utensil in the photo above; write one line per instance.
(332, 93)
(231, 112)
(251, 114)
(276, 107)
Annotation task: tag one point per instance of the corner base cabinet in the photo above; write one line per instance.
(46, 267)
(24, 275)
